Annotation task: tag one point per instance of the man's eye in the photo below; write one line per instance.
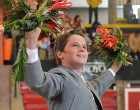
(85, 47)
(74, 45)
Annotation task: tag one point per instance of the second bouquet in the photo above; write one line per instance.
(111, 47)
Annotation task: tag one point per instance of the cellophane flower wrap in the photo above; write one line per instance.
(1, 29)
(111, 47)
(47, 17)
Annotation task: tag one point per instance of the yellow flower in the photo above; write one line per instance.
(115, 47)
(15, 27)
(127, 63)
(107, 31)
(1, 29)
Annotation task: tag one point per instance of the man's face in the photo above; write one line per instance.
(129, 3)
(75, 52)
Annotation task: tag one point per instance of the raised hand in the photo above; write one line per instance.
(116, 66)
(32, 38)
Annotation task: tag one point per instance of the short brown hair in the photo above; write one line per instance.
(61, 43)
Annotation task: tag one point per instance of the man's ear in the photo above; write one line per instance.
(60, 54)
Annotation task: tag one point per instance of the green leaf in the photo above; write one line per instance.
(25, 56)
(123, 39)
(13, 82)
(45, 29)
(55, 22)
(45, 17)
(17, 61)
(118, 33)
(24, 7)
(18, 71)
(41, 9)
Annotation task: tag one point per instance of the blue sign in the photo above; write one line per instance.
(91, 70)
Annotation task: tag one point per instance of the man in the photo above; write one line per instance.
(93, 6)
(134, 43)
(64, 87)
(128, 12)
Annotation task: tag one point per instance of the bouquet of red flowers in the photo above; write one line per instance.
(23, 18)
(111, 47)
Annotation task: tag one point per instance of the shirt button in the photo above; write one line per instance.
(88, 87)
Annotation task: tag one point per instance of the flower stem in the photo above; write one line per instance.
(41, 9)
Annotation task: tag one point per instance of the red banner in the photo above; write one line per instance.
(132, 98)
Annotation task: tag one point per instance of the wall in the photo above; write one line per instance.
(83, 12)
(120, 12)
(1, 37)
(102, 14)
(83, 3)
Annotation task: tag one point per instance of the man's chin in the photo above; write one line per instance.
(82, 63)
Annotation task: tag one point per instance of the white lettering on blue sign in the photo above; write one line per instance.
(94, 68)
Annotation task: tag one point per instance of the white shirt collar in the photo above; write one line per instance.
(81, 76)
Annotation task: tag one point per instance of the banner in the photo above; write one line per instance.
(91, 70)
(132, 98)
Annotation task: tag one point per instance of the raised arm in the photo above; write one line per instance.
(106, 79)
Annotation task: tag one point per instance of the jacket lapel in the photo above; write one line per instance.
(74, 75)
(96, 96)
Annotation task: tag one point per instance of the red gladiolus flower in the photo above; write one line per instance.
(64, 19)
(102, 30)
(44, 36)
(61, 4)
(110, 42)
(32, 1)
(51, 25)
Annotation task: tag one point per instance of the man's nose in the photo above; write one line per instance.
(81, 49)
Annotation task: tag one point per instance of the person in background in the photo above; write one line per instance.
(93, 28)
(134, 44)
(86, 36)
(93, 6)
(139, 16)
(7, 35)
(128, 12)
(67, 27)
(77, 23)
(44, 49)
(64, 87)
(7, 48)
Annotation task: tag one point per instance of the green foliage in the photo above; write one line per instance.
(41, 9)
(18, 71)
(26, 24)
(23, 6)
